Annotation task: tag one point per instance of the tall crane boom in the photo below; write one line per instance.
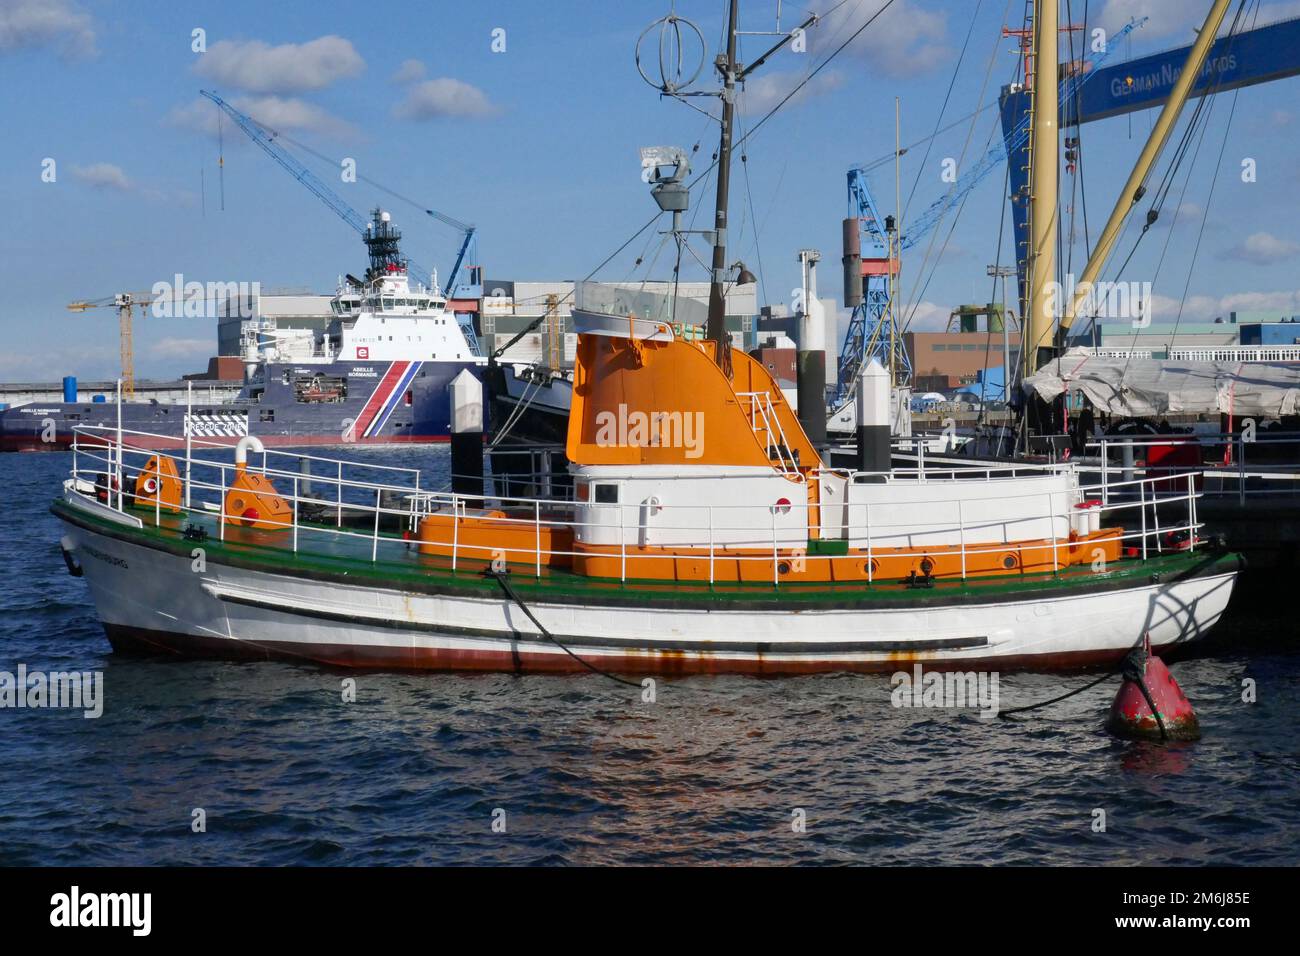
(265, 138)
(876, 269)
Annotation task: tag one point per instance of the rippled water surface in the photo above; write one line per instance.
(715, 771)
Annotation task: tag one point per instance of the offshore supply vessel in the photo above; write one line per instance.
(378, 374)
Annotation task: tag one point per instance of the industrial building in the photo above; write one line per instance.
(289, 310)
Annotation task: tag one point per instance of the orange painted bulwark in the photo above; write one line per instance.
(489, 535)
(886, 564)
(619, 380)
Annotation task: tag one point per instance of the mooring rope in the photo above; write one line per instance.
(503, 578)
(1131, 667)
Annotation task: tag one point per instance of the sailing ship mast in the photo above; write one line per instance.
(1133, 189)
(1040, 332)
(732, 73)
(716, 328)
(1039, 325)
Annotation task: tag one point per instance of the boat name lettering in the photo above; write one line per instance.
(110, 559)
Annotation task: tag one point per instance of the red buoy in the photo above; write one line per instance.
(1150, 705)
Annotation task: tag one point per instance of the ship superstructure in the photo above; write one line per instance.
(378, 373)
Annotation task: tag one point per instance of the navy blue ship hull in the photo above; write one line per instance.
(364, 403)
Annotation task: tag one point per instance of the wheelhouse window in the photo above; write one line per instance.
(605, 493)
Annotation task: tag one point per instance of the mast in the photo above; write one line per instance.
(716, 328)
(1133, 189)
(1038, 327)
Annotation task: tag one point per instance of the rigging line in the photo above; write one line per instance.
(1078, 136)
(1193, 127)
(695, 181)
(889, 157)
(1191, 267)
(817, 69)
(970, 132)
(659, 250)
(993, 298)
(1074, 179)
(1170, 175)
(1166, 181)
(700, 177)
(276, 134)
(944, 107)
(1209, 199)
(753, 218)
(916, 297)
(1191, 170)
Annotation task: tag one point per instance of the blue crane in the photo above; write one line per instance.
(867, 336)
(1246, 58)
(265, 137)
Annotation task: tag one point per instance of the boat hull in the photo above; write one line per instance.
(153, 599)
(373, 403)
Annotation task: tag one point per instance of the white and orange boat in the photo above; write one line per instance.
(704, 533)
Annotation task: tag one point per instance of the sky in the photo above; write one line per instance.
(525, 119)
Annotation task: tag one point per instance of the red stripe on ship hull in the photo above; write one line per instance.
(379, 397)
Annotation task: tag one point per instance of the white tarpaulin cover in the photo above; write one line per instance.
(1148, 388)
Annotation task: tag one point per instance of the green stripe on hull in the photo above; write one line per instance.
(335, 557)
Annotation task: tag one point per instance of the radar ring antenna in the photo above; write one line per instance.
(674, 37)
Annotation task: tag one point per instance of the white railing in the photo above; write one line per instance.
(1221, 468)
(361, 512)
(763, 415)
(1203, 353)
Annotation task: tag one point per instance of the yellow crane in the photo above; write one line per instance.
(125, 303)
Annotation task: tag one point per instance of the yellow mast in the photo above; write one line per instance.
(1039, 324)
(893, 246)
(1134, 189)
(126, 346)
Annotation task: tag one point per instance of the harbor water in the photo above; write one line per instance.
(270, 764)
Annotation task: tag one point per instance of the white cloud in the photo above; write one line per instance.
(928, 317)
(1184, 213)
(1263, 248)
(258, 67)
(32, 24)
(103, 176)
(409, 72)
(765, 90)
(443, 97)
(1207, 308)
(1180, 21)
(905, 41)
(287, 114)
(1166, 19)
